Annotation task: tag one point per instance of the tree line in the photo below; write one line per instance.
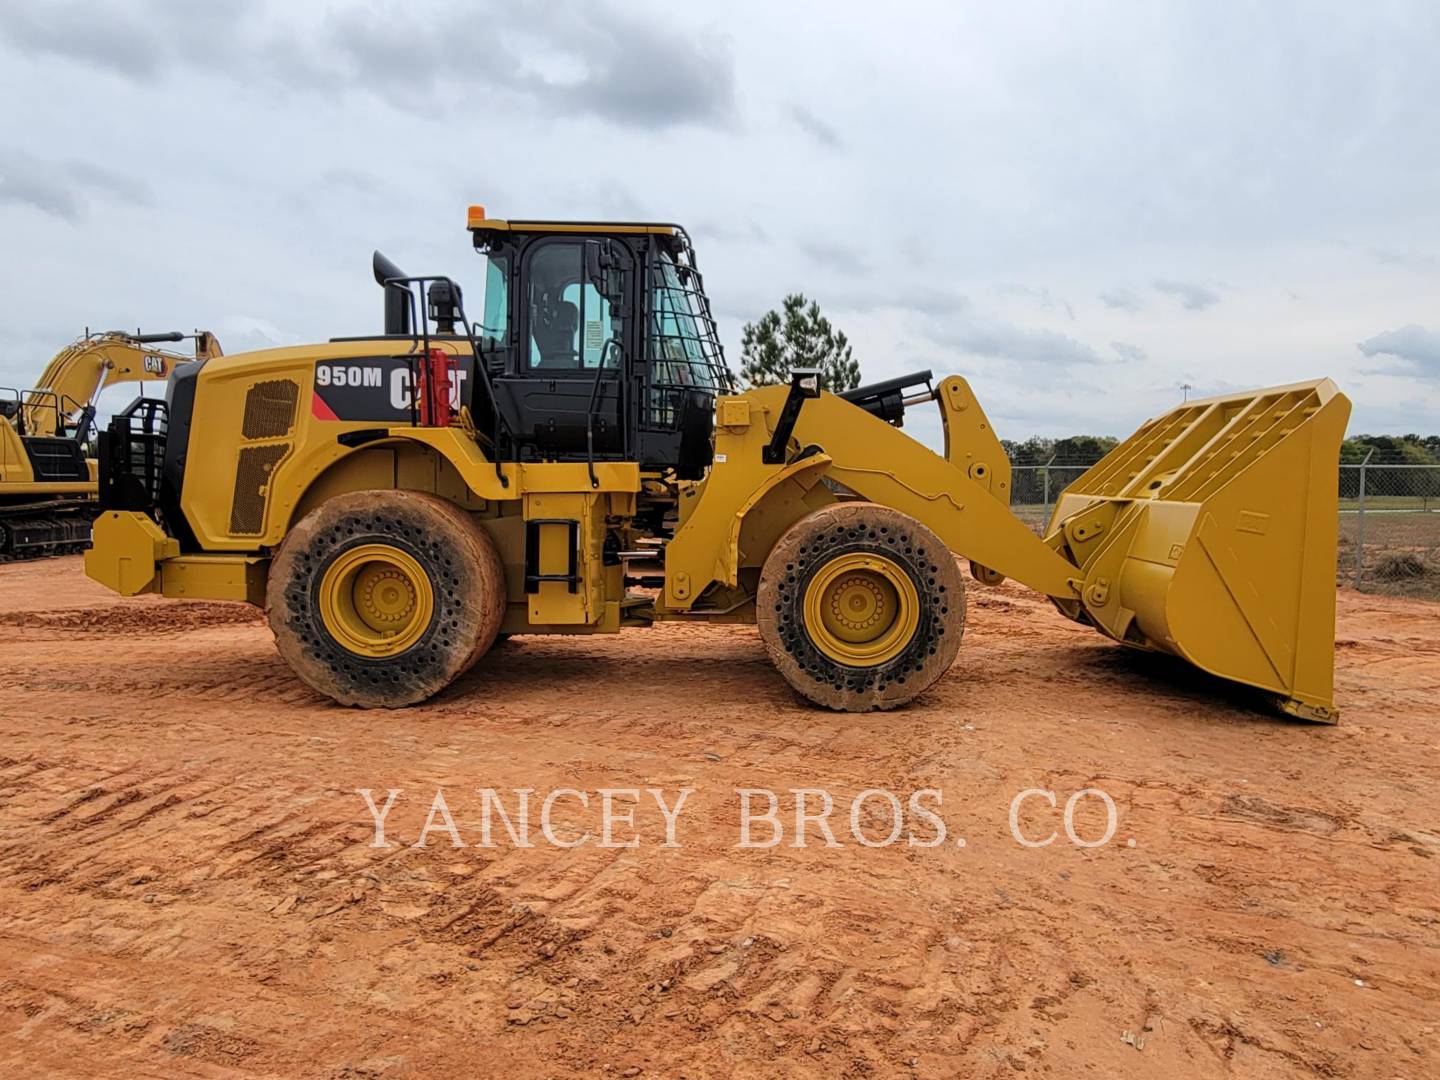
(1391, 450)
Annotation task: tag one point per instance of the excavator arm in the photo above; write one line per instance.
(75, 377)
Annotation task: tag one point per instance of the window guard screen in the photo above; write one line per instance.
(684, 348)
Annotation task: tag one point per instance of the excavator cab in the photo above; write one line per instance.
(598, 344)
(54, 432)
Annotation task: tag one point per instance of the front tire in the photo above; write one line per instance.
(861, 607)
(382, 598)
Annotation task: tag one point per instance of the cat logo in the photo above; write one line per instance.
(378, 388)
(154, 365)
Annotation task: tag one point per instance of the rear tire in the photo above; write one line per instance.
(861, 607)
(381, 598)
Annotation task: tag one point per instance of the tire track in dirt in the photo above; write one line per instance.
(175, 617)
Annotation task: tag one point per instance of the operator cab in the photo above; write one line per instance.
(57, 457)
(598, 342)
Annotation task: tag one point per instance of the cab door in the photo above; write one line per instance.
(568, 333)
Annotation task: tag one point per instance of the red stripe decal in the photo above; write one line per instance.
(320, 410)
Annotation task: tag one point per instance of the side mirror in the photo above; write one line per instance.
(603, 271)
(597, 262)
(614, 294)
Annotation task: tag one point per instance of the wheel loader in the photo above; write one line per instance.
(48, 482)
(578, 460)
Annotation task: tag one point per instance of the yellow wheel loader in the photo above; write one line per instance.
(48, 482)
(578, 461)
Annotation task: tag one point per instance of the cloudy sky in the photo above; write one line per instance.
(1082, 207)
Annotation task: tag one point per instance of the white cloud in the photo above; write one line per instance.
(1191, 295)
(65, 188)
(1001, 340)
(822, 132)
(1417, 346)
(598, 58)
(1121, 300)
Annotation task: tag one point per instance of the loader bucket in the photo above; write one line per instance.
(1211, 534)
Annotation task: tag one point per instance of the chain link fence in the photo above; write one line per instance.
(1389, 520)
(1390, 528)
(1034, 489)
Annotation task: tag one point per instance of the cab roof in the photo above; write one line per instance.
(476, 221)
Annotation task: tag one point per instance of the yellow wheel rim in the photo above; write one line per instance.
(861, 609)
(376, 600)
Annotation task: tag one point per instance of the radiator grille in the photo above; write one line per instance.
(252, 474)
(270, 409)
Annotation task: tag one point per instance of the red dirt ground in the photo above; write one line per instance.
(187, 886)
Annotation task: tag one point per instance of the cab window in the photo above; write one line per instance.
(494, 320)
(570, 324)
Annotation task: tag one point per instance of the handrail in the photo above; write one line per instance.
(418, 319)
(590, 410)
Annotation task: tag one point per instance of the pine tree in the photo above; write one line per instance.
(800, 338)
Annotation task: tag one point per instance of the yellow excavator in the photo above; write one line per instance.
(48, 476)
(578, 460)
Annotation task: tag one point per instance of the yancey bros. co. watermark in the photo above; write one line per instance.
(764, 818)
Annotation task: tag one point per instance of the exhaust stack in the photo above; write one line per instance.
(399, 300)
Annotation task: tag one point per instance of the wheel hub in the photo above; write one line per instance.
(861, 609)
(857, 604)
(376, 600)
(386, 597)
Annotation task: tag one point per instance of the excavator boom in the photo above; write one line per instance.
(75, 377)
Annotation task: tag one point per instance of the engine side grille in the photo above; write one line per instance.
(252, 475)
(270, 409)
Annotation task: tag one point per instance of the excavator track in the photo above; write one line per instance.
(42, 530)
